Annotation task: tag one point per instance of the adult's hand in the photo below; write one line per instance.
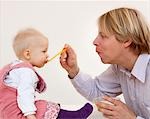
(68, 61)
(117, 110)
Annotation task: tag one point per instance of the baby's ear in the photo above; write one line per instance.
(27, 54)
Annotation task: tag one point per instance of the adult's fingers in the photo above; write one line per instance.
(105, 105)
(112, 100)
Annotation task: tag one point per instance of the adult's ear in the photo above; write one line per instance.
(127, 43)
(27, 54)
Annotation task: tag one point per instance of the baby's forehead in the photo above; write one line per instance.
(36, 38)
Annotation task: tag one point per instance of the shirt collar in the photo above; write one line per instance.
(139, 69)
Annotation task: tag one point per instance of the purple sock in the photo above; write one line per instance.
(82, 113)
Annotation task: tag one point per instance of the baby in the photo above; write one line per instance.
(19, 81)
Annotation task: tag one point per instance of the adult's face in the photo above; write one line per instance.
(108, 48)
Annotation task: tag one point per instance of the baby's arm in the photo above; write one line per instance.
(26, 91)
(31, 116)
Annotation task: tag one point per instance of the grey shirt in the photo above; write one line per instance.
(134, 85)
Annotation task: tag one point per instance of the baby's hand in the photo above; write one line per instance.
(31, 116)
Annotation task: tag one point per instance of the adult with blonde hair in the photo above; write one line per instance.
(123, 41)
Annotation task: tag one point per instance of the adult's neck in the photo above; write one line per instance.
(128, 60)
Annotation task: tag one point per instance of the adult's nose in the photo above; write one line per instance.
(95, 42)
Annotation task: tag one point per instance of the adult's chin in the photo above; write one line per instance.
(104, 61)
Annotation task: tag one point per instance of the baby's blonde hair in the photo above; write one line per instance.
(25, 38)
(125, 24)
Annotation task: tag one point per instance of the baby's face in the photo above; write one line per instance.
(39, 56)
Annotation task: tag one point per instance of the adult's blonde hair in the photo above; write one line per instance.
(125, 24)
(25, 38)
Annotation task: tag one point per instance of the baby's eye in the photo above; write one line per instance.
(44, 51)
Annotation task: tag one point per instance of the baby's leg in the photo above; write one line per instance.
(82, 113)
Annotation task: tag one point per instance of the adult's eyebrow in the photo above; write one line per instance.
(101, 33)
